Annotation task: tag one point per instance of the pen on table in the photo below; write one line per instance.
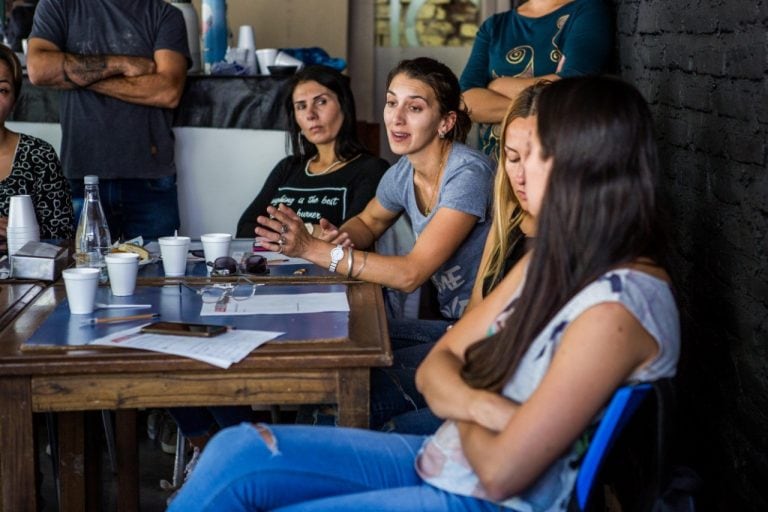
(114, 319)
(280, 260)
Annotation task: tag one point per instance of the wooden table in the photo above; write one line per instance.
(72, 381)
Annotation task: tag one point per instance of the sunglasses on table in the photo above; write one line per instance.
(253, 264)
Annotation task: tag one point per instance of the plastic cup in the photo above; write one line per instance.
(215, 245)
(283, 59)
(245, 38)
(173, 251)
(81, 285)
(266, 57)
(122, 269)
(21, 212)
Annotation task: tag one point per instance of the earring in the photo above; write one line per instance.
(441, 134)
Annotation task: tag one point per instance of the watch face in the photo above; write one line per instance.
(337, 253)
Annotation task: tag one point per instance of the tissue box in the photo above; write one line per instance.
(39, 260)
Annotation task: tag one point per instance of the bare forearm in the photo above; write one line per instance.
(438, 379)
(361, 235)
(486, 106)
(391, 271)
(150, 90)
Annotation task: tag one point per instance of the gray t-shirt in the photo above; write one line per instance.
(466, 186)
(100, 134)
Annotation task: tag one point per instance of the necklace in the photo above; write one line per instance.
(430, 204)
(324, 171)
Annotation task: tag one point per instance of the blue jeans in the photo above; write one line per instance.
(314, 469)
(136, 207)
(396, 404)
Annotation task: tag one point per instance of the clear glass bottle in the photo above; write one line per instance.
(92, 240)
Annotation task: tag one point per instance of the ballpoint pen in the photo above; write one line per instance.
(115, 319)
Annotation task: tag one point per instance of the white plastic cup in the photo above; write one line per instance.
(266, 57)
(173, 251)
(283, 59)
(81, 284)
(215, 245)
(122, 268)
(245, 37)
(21, 212)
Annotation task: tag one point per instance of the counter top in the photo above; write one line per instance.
(251, 102)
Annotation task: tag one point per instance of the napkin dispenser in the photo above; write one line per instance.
(39, 260)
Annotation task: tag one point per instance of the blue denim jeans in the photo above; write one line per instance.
(313, 469)
(140, 207)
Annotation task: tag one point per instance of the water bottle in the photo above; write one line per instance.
(214, 29)
(92, 240)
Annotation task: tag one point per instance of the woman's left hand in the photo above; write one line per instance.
(283, 231)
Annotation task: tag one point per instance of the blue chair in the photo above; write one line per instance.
(620, 410)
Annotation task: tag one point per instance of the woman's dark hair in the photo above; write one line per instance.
(444, 83)
(600, 210)
(347, 143)
(9, 57)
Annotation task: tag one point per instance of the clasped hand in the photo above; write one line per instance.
(283, 231)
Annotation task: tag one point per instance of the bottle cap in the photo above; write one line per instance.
(91, 179)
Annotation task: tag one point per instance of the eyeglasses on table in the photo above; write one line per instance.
(242, 289)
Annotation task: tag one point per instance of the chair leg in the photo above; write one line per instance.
(109, 433)
(180, 460)
(53, 443)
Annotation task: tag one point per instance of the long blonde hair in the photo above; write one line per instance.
(507, 213)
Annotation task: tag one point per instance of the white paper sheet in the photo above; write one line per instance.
(280, 304)
(222, 350)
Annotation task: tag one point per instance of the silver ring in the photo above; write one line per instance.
(280, 249)
(283, 228)
(281, 240)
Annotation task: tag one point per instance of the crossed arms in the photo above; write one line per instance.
(157, 82)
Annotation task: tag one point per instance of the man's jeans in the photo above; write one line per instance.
(135, 207)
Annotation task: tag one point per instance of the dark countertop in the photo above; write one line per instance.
(252, 102)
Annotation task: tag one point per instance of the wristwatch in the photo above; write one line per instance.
(337, 253)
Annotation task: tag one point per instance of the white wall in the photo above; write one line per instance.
(220, 171)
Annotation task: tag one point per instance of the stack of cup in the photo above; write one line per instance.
(246, 42)
(22, 223)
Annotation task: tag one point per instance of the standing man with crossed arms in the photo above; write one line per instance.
(121, 67)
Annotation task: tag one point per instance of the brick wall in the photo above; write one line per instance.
(703, 66)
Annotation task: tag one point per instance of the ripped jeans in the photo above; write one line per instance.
(306, 468)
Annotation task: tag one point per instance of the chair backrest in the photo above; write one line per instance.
(620, 410)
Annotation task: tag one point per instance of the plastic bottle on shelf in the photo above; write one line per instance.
(193, 32)
(214, 29)
(92, 240)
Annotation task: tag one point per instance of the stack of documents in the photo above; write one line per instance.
(222, 350)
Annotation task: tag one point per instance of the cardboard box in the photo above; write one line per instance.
(39, 260)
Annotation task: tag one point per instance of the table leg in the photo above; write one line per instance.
(354, 387)
(79, 461)
(127, 461)
(18, 490)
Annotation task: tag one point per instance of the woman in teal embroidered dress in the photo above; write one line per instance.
(538, 39)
